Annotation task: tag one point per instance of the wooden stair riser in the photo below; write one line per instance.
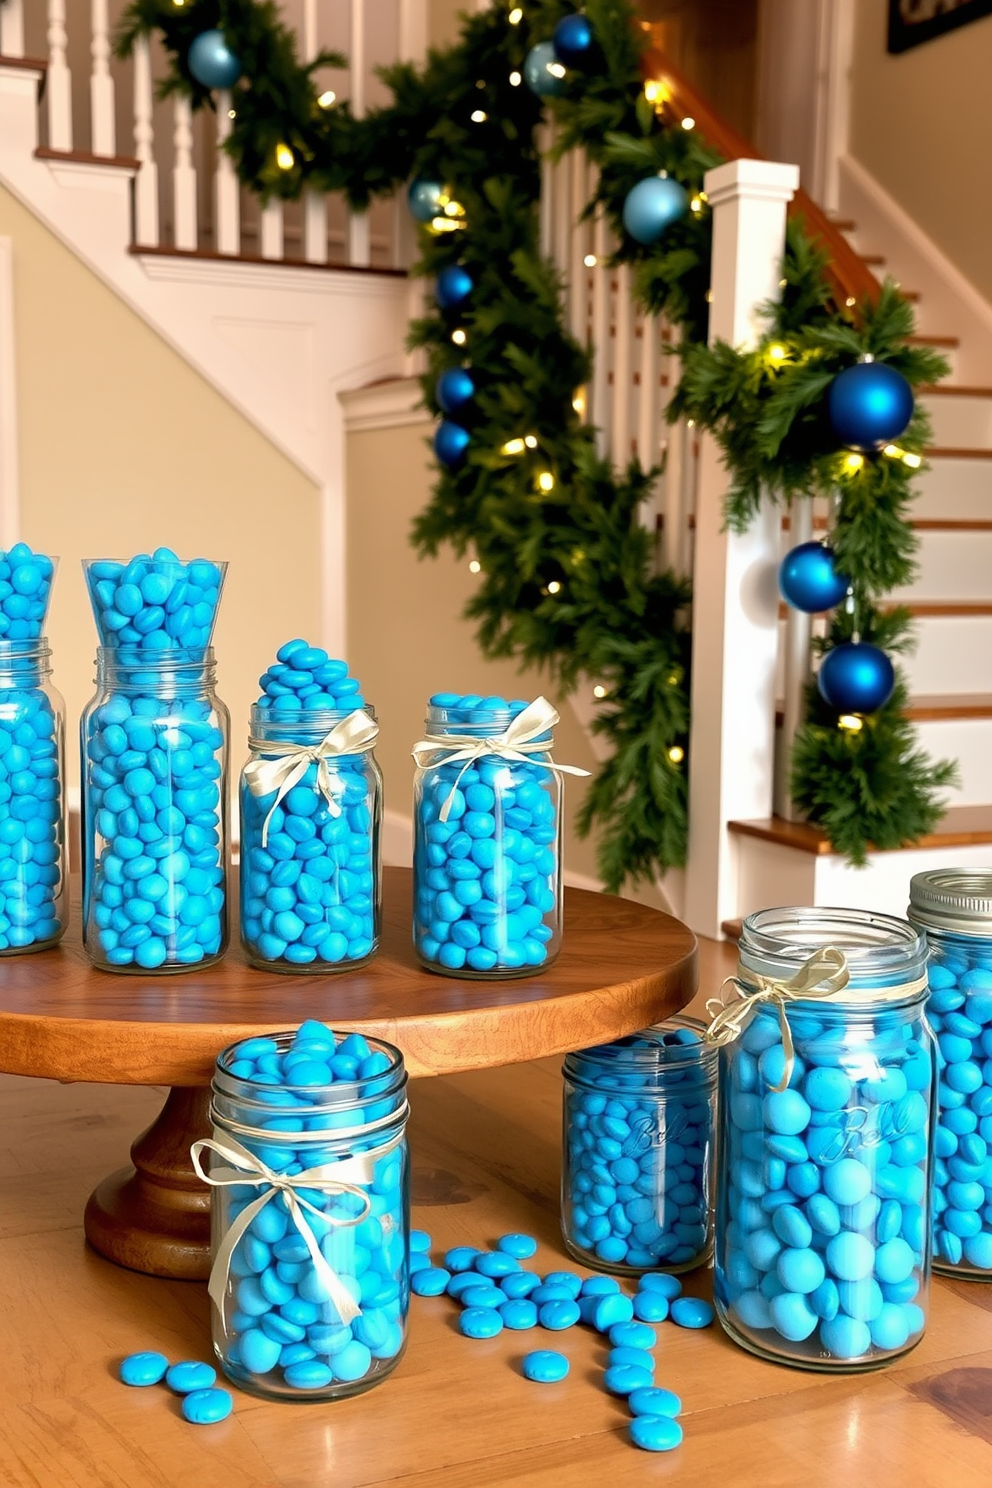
(951, 565)
(960, 420)
(953, 655)
(969, 741)
(955, 488)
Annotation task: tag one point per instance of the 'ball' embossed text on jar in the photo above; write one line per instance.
(310, 1223)
(311, 879)
(638, 1139)
(953, 907)
(487, 845)
(822, 1252)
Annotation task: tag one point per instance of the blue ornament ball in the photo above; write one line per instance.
(572, 40)
(538, 75)
(423, 198)
(856, 678)
(454, 389)
(454, 284)
(212, 62)
(450, 443)
(808, 579)
(652, 206)
(870, 404)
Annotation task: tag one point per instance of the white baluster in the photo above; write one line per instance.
(359, 237)
(271, 235)
(59, 80)
(413, 31)
(12, 28)
(549, 192)
(314, 202)
(600, 400)
(576, 247)
(798, 666)
(649, 401)
(184, 177)
(146, 181)
(227, 205)
(102, 127)
(623, 370)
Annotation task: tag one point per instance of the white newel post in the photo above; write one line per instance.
(735, 607)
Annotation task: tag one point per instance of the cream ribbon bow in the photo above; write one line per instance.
(517, 742)
(823, 974)
(329, 1178)
(288, 763)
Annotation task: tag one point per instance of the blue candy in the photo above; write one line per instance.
(204, 1407)
(155, 603)
(655, 1433)
(143, 1369)
(652, 1400)
(190, 1375)
(544, 1366)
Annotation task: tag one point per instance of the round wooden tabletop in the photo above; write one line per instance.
(622, 967)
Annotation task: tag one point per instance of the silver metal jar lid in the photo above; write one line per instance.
(955, 899)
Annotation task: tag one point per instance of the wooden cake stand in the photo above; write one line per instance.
(622, 967)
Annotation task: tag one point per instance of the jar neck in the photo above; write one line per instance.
(298, 726)
(883, 953)
(24, 662)
(443, 722)
(649, 1058)
(126, 669)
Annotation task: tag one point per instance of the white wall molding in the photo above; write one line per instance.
(950, 303)
(392, 404)
(9, 489)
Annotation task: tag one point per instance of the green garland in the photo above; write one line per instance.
(567, 573)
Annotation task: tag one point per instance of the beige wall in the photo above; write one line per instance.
(406, 635)
(921, 123)
(123, 447)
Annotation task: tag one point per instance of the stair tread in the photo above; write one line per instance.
(960, 826)
(919, 524)
(949, 390)
(85, 157)
(30, 64)
(928, 608)
(949, 341)
(955, 452)
(210, 255)
(929, 707)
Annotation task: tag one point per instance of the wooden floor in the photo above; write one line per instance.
(456, 1412)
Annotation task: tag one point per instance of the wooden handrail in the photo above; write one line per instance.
(850, 277)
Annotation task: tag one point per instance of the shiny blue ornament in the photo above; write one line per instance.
(572, 40)
(808, 580)
(423, 199)
(450, 443)
(454, 389)
(652, 206)
(212, 62)
(870, 404)
(856, 678)
(454, 284)
(537, 75)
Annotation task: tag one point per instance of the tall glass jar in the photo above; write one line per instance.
(822, 1254)
(953, 907)
(638, 1141)
(154, 743)
(284, 1327)
(33, 901)
(311, 881)
(487, 846)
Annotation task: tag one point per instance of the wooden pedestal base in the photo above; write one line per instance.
(155, 1216)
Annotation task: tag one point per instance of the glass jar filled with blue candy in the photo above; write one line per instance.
(487, 837)
(310, 1215)
(154, 743)
(827, 1092)
(311, 811)
(639, 1119)
(953, 907)
(33, 902)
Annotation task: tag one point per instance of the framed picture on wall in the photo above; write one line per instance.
(914, 21)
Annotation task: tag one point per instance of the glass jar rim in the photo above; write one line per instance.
(33, 649)
(178, 661)
(954, 899)
(882, 951)
(477, 723)
(319, 719)
(650, 1056)
(341, 1092)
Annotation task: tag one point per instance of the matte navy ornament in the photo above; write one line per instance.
(543, 73)
(870, 404)
(212, 62)
(450, 443)
(808, 579)
(454, 389)
(572, 40)
(424, 199)
(652, 206)
(454, 284)
(856, 678)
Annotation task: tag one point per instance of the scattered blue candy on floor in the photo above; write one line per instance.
(652, 1400)
(204, 1407)
(308, 893)
(190, 1374)
(545, 1366)
(692, 1312)
(655, 1433)
(485, 878)
(147, 1368)
(520, 1246)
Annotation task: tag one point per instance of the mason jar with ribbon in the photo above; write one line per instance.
(827, 1099)
(311, 811)
(310, 1216)
(487, 837)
